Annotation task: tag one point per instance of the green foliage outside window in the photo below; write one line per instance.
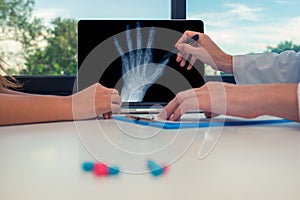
(59, 56)
(46, 50)
(283, 46)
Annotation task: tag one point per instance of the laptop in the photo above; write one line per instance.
(138, 58)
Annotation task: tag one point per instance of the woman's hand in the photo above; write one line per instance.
(94, 101)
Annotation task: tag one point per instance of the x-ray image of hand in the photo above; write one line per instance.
(138, 70)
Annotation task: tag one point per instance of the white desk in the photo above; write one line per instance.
(43, 162)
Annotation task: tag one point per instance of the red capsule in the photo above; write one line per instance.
(100, 169)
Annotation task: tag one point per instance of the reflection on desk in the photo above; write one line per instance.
(43, 161)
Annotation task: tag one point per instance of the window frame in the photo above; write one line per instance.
(47, 84)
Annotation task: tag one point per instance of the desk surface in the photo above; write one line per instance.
(43, 161)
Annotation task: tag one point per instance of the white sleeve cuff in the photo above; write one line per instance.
(298, 96)
(238, 68)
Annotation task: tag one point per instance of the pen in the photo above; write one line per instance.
(175, 51)
(147, 118)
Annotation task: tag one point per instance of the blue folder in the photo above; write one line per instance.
(200, 123)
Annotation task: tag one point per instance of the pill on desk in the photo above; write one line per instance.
(155, 169)
(113, 170)
(88, 166)
(100, 169)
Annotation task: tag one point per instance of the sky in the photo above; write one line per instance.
(238, 26)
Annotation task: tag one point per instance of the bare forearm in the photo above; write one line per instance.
(224, 63)
(264, 99)
(21, 109)
(281, 100)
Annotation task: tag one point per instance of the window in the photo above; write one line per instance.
(241, 27)
(38, 37)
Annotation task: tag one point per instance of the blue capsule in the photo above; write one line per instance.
(88, 166)
(113, 170)
(155, 169)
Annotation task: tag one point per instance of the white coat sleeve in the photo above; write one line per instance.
(267, 68)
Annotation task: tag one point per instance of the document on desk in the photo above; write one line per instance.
(196, 122)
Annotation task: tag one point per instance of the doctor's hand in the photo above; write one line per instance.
(94, 101)
(138, 70)
(216, 98)
(204, 50)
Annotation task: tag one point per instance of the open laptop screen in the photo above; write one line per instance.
(129, 55)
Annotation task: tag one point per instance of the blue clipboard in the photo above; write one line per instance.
(199, 124)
